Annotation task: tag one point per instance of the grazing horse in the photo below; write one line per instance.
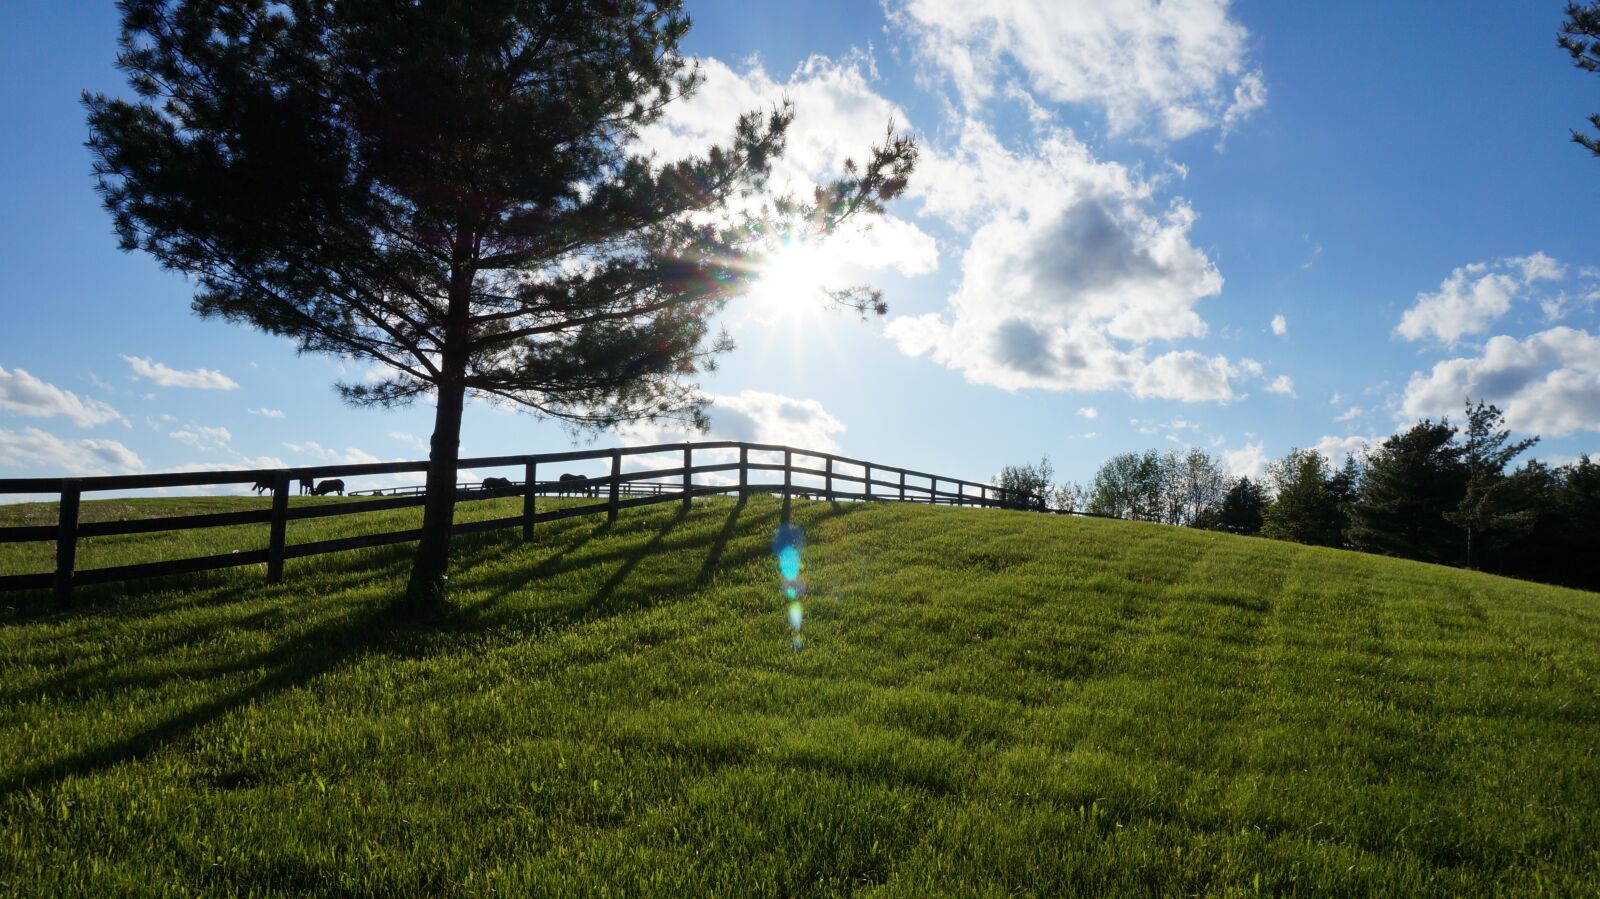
(326, 487)
(568, 487)
(496, 485)
(306, 486)
(261, 487)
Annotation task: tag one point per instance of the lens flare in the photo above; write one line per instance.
(788, 544)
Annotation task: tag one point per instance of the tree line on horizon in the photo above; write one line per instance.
(1434, 492)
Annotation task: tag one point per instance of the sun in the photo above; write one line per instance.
(794, 282)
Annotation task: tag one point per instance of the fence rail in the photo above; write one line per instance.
(617, 490)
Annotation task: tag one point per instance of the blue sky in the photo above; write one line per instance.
(1116, 202)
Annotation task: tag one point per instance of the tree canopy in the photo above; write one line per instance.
(1580, 37)
(456, 192)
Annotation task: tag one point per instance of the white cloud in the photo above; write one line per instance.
(752, 416)
(1089, 412)
(161, 375)
(1070, 272)
(264, 412)
(25, 394)
(1248, 461)
(202, 437)
(1182, 65)
(1280, 325)
(1474, 296)
(838, 117)
(36, 449)
(1547, 383)
(1337, 449)
(1349, 414)
(319, 453)
(1282, 384)
(411, 440)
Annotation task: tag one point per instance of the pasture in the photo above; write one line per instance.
(987, 703)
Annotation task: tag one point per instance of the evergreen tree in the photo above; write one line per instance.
(453, 191)
(1580, 37)
(1305, 509)
(1241, 509)
(1411, 483)
(1491, 513)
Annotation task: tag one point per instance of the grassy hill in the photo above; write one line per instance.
(987, 703)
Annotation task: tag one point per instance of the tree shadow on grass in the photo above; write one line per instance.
(363, 628)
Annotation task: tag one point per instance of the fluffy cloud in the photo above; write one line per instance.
(1248, 461)
(1069, 273)
(1089, 412)
(202, 437)
(1474, 296)
(36, 449)
(1282, 384)
(1280, 325)
(838, 117)
(1181, 65)
(159, 374)
(25, 394)
(752, 416)
(329, 455)
(1349, 414)
(1337, 449)
(264, 412)
(1547, 383)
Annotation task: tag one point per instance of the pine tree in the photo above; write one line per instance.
(455, 192)
(1580, 37)
(1491, 513)
(1240, 510)
(1411, 483)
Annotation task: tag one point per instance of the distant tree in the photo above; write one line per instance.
(1130, 485)
(1493, 512)
(1305, 508)
(1071, 496)
(1199, 486)
(1580, 37)
(455, 192)
(1241, 508)
(1413, 480)
(1032, 486)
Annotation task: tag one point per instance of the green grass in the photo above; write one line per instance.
(988, 704)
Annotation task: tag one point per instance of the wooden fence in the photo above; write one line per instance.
(621, 490)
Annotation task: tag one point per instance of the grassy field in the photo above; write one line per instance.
(987, 703)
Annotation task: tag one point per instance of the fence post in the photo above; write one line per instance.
(902, 485)
(827, 477)
(616, 484)
(744, 471)
(67, 539)
(530, 478)
(787, 462)
(933, 490)
(280, 526)
(984, 495)
(866, 471)
(688, 476)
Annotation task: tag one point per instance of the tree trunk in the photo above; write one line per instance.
(428, 590)
(430, 570)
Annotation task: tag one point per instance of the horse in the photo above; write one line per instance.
(261, 487)
(496, 485)
(567, 486)
(331, 486)
(307, 486)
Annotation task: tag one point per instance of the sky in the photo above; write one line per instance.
(1240, 226)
